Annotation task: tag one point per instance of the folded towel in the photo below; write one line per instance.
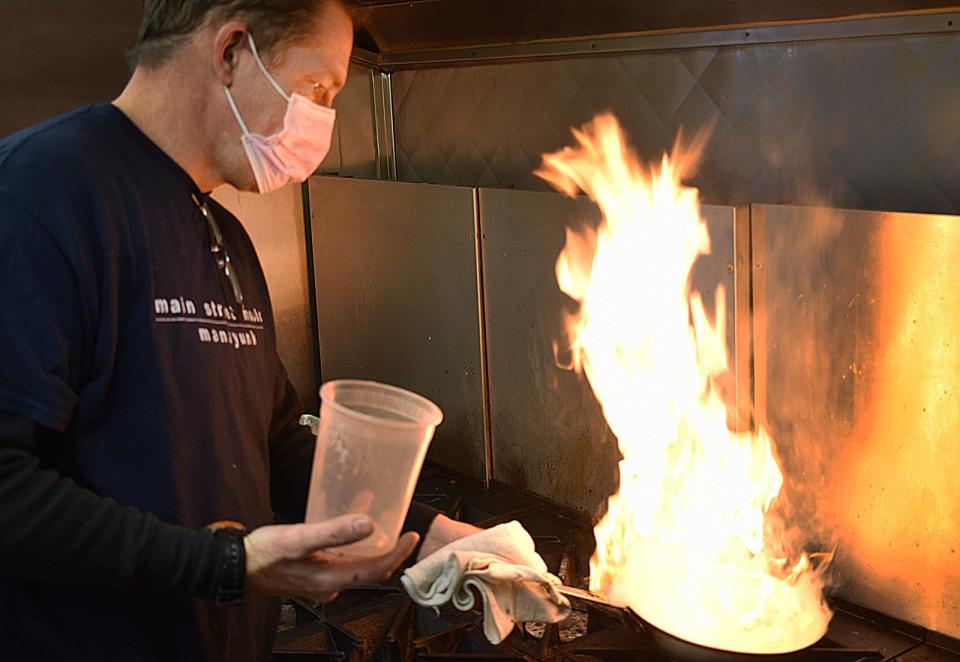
(504, 567)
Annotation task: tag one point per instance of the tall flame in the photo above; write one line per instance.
(688, 542)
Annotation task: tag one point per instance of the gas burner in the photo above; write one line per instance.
(381, 624)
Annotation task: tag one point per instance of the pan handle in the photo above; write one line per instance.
(586, 596)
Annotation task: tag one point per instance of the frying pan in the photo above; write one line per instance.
(680, 649)
(686, 651)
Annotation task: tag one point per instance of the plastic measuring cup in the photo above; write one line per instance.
(371, 442)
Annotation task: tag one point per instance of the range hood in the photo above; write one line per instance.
(418, 25)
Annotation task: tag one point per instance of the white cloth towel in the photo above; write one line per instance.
(503, 566)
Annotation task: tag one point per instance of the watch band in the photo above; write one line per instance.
(233, 569)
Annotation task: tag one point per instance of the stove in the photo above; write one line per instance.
(381, 624)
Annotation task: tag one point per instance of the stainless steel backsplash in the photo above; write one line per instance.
(869, 122)
(866, 122)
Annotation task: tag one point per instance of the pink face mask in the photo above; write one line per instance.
(297, 150)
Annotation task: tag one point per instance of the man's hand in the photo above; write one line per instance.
(295, 559)
(442, 532)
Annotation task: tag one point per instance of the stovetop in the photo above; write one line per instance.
(381, 624)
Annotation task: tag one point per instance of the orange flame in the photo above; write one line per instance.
(688, 542)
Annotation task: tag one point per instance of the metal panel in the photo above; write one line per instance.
(868, 122)
(363, 142)
(886, 26)
(275, 225)
(383, 125)
(353, 152)
(396, 282)
(858, 379)
(418, 25)
(547, 430)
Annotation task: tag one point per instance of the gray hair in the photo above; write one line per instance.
(168, 23)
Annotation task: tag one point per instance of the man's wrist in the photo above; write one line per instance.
(233, 565)
(443, 531)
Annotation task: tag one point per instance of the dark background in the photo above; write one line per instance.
(56, 55)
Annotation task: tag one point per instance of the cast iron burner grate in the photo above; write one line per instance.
(381, 624)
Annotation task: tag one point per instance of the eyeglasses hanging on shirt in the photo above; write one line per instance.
(217, 249)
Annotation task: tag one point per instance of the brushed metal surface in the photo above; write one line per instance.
(484, 353)
(857, 355)
(386, 144)
(406, 26)
(881, 26)
(548, 432)
(354, 149)
(275, 225)
(363, 57)
(867, 123)
(396, 283)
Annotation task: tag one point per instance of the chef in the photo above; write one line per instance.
(148, 432)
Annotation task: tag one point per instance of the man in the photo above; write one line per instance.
(141, 397)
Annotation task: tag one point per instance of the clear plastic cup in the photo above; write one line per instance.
(371, 443)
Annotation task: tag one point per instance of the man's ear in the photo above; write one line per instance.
(229, 43)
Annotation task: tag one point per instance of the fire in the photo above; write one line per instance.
(689, 541)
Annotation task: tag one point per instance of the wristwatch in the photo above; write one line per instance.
(233, 569)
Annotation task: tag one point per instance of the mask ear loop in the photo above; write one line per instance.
(236, 112)
(273, 82)
(256, 56)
